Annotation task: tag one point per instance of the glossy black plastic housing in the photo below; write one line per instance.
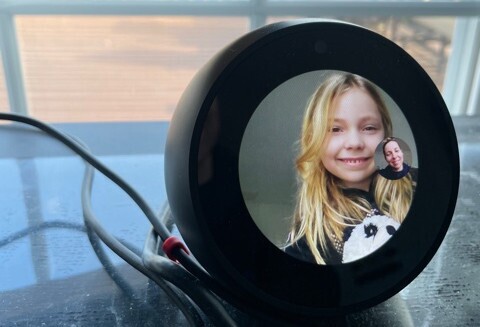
(202, 169)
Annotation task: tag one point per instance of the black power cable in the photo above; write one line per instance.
(129, 256)
(160, 228)
(155, 267)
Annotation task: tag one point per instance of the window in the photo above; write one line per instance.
(105, 68)
(124, 61)
(4, 105)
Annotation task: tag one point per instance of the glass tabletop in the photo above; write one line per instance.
(50, 274)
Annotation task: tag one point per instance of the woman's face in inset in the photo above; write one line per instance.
(393, 155)
(353, 136)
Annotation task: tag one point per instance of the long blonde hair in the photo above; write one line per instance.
(323, 210)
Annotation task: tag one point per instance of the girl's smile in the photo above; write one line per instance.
(355, 132)
(359, 163)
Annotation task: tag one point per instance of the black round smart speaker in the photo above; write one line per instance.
(276, 137)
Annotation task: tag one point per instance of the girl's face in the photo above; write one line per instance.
(394, 155)
(351, 141)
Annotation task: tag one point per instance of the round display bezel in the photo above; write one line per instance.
(214, 219)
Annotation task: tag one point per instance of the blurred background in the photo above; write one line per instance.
(104, 60)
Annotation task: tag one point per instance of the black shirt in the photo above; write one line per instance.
(389, 173)
(301, 250)
(331, 256)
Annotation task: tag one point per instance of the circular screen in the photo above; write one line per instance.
(357, 117)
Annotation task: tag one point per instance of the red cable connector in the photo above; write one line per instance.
(170, 245)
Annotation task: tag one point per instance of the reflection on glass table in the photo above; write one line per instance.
(50, 274)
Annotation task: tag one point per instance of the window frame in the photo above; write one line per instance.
(462, 78)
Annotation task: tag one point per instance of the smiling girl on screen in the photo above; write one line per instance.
(344, 122)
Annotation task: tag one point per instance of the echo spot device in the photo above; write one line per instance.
(232, 181)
